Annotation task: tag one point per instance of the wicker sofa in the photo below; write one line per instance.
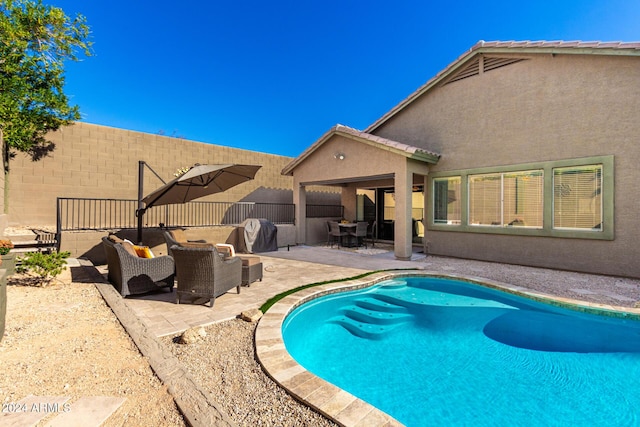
(132, 275)
(177, 237)
(203, 274)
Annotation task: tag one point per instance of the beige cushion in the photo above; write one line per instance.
(196, 245)
(114, 238)
(129, 248)
(250, 260)
(178, 235)
(226, 249)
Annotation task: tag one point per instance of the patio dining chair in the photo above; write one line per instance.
(372, 233)
(360, 233)
(336, 233)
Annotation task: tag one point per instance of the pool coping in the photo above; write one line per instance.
(336, 403)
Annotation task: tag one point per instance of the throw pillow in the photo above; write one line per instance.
(143, 251)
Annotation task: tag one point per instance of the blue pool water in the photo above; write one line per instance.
(431, 351)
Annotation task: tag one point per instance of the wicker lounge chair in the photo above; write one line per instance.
(132, 275)
(177, 237)
(204, 274)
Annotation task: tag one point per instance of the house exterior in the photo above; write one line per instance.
(524, 152)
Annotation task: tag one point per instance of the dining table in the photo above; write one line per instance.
(348, 240)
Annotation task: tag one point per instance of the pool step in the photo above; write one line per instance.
(372, 303)
(375, 317)
(371, 318)
(394, 283)
(405, 301)
(363, 329)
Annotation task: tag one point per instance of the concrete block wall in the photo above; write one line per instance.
(95, 161)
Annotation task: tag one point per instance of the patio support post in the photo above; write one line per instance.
(426, 193)
(349, 200)
(300, 202)
(403, 223)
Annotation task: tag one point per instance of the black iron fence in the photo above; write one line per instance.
(325, 211)
(100, 214)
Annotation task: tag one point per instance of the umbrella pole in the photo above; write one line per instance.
(140, 210)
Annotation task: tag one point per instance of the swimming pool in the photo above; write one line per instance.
(433, 351)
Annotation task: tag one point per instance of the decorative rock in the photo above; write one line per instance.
(252, 315)
(192, 335)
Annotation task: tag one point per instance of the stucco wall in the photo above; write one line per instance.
(360, 160)
(542, 109)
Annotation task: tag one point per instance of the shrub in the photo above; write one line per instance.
(5, 246)
(45, 266)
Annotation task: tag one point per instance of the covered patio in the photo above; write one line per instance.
(358, 162)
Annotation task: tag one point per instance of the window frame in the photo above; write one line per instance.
(547, 230)
(433, 194)
(501, 196)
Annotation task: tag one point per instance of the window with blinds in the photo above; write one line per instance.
(508, 199)
(577, 198)
(447, 200)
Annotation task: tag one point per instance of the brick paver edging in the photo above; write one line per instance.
(196, 405)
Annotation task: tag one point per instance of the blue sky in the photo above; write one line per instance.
(273, 76)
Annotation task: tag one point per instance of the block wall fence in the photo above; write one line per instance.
(94, 161)
(102, 162)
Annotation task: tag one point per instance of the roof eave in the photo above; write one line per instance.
(338, 130)
(422, 156)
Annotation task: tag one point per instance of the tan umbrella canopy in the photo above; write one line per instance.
(200, 181)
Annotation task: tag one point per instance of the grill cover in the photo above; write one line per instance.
(260, 235)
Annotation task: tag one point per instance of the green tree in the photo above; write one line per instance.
(35, 42)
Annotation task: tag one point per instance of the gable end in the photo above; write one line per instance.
(481, 64)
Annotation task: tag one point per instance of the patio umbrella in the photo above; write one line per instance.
(200, 181)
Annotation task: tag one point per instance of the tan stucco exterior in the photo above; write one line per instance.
(351, 162)
(548, 107)
(506, 104)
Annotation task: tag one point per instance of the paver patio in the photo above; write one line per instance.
(283, 270)
(300, 265)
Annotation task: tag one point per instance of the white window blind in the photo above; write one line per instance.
(485, 199)
(507, 199)
(447, 200)
(577, 198)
